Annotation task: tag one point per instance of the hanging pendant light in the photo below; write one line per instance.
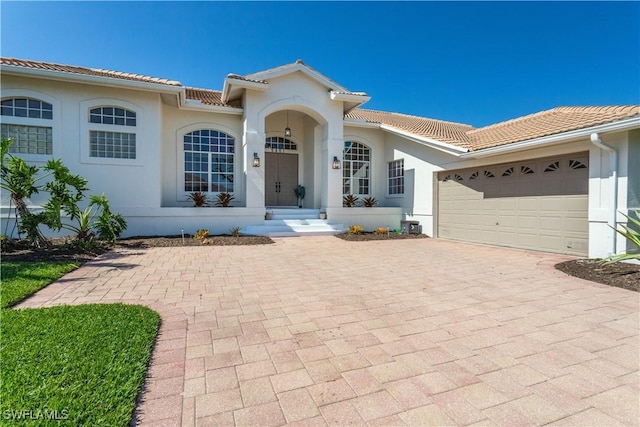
(287, 130)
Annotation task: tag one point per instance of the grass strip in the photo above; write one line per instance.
(21, 279)
(81, 365)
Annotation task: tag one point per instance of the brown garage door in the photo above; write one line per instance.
(540, 204)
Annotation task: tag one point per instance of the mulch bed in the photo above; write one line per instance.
(621, 275)
(366, 237)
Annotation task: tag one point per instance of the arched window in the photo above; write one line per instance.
(209, 161)
(27, 121)
(277, 143)
(356, 165)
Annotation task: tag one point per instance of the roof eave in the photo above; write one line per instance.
(430, 142)
(620, 125)
(349, 100)
(194, 105)
(88, 79)
(230, 83)
(361, 123)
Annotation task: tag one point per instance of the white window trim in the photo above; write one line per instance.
(401, 195)
(181, 195)
(54, 123)
(371, 158)
(86, 127)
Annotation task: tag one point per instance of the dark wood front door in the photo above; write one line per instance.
(281, 179)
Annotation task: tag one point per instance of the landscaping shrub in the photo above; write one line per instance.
(356, 229)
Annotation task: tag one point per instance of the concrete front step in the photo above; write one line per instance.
(293, 222)
(279, 213)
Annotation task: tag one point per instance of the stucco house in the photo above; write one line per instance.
(551, 181)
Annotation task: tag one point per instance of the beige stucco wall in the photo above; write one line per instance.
(175, 124)
(115, 176)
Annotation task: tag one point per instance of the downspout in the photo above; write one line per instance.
(613, 183)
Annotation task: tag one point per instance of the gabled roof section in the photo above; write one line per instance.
(260, 81)
(299, 65)
(94, 72)
(440, 130)
(550, 122)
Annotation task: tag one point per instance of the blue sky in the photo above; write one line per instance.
(470, 62)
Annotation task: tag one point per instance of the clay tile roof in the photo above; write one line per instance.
(205, 96)
(544, 123)
(549, 122)
(85, 71)
(449, 132)
(238, 77)
(342, 92)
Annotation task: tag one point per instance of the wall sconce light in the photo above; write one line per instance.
(256, 160)
(287, 130)
(336, 163)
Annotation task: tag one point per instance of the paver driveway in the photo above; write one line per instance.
(319, 331)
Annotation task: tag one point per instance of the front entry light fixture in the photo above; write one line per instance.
(336, 163)
(287, 130)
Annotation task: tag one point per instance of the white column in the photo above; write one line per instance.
(253, 142)
(332, 146)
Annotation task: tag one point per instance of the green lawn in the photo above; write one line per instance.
(21, 279)
(80, 364)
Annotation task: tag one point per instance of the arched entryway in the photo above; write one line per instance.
(282, 172)
(292, 159)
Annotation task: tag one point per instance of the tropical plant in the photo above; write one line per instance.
(108, 225)
(369, 202)
(66, 191)
(19, 180)
(198, 198)
(349, 200)
(235, 232)
(631, 231)
(22, 181)
(224, 199)
(355, 229)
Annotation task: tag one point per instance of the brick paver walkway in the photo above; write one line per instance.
(319, 331)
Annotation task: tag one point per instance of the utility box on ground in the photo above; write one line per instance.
(411, 227)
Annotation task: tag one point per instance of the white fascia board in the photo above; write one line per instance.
(433, 143)
(93, 80)
(246, 84)
(361, 124)
(230, 82)
(626, 124)
(193, 105)
(348, 97)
